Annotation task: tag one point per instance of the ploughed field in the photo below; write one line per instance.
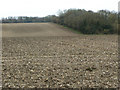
(46, 55)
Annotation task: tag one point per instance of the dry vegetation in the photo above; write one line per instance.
(47, 55)
(34, 29)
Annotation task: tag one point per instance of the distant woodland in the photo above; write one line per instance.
(86, 22)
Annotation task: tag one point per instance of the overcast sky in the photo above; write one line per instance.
(49, 7)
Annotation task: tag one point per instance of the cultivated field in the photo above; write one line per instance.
(46, 55)
(34, 29)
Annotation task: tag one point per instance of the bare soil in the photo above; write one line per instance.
(45, 55)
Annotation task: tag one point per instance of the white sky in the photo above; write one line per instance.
(49, 7)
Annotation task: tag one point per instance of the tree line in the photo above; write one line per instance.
(86, 22)
(89, 22)
(25, 19)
